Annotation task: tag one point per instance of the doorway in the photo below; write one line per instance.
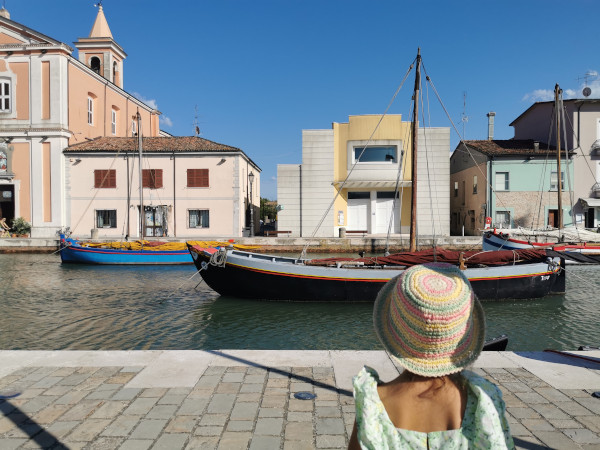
(7, 203)
(553, 218)
(155, 221)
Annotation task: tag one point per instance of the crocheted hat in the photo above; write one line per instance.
(430, 320)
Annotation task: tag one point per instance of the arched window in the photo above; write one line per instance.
(95, 64)
(115, 67)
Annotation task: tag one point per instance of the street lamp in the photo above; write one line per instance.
(251, 179)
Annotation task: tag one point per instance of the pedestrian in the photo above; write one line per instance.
(430, 322)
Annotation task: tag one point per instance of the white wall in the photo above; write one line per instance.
(433, 182)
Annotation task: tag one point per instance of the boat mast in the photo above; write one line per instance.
(557, 103)
(142, 214)
(415, 129)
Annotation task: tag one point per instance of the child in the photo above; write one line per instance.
(429, 320)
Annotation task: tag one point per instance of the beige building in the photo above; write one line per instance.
(192, 188)
(353, 179)
(50, 99)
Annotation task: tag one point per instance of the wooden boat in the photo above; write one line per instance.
(77, 252)
(517, 275)
(134, 252)
(497, 344)
(494, 275)
(503, 240)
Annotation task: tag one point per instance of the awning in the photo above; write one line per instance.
(371, 184)
(590, 202)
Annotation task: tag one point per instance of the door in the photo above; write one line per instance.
(7, 203)
(553, 218)
(386, 211)
(358, 210)
(155, 221)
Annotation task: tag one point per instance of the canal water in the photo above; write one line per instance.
(49, 306)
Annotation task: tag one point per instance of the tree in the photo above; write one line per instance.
(268, 208)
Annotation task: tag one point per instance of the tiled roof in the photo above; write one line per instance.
(510, 147)
(150, 144)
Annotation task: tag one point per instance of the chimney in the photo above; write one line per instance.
(4, 13)
(490, 116)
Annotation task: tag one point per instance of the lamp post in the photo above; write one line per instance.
(251, 179)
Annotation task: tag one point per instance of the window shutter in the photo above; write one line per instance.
(105, 178)
(198, 178)
(158, 179)
(97, 178)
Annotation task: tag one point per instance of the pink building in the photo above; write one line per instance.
(192, 188)
(51, 100)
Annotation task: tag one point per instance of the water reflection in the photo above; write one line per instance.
(49, 306)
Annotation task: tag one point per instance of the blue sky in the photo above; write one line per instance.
(260, 71)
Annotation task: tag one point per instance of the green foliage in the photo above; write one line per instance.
(20, 226)
(268, 208)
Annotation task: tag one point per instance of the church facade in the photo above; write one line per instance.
(49, 100)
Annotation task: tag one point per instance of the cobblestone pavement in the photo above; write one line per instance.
(246, 407)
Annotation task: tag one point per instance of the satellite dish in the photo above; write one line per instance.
(586, 91)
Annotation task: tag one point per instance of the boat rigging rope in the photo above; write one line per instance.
(339, 190)
(219, 258)
(466, 147)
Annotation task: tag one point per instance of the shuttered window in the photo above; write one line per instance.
(5, 96)
(105, 178)
(197, 178)
(152, 178)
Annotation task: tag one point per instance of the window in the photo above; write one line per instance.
(503, 219)
(197, 178)
(113, 121)
(501, 181)
(105, 178)
(474, 184)
(106, 218)
(95, 64)
(376, 154)
(133, 128)
(456, 188)
(198, 218)
(357, 195)
(90, 111)
(554, 180)
(388, 194)
(152, 178)
(5, 96)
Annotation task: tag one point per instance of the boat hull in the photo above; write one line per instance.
(251, 275)
(73, 253)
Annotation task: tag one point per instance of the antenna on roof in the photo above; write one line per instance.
(586, 90)
(196, 127)
(464, 117)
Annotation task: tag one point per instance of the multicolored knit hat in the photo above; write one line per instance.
(430, 320)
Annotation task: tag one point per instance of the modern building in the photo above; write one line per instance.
(581, 134)
(50, 99)
(357, 176)
(513, 182)
(192, 188)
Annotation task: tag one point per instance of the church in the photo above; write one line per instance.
(59, 111)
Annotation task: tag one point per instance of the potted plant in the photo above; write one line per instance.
(21, 227)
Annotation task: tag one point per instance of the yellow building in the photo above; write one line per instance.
(366, 161)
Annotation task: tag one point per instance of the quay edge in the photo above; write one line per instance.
(368, 244)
